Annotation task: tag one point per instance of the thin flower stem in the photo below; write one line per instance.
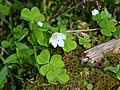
(87, 30)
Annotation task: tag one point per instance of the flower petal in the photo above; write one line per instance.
(40, 24)
(62, 36)
(50, 40)
(95, 12)
(60, 43)
(54, 43)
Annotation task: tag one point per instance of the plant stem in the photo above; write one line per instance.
(35, 56)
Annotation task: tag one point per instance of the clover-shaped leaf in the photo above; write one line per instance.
(20, 32)
(25, 14)
(43, 41)
(57, 75)
(44, 57)
(87, 45)
(45, 68)
(34, 14)
(63, 77)
(85, 41)
(56, 61)
(51, 76)
(69, 44)
(5, 44)
(106, 32)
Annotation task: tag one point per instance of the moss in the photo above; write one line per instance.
(106, 83)
(79, 72)
(110, 59)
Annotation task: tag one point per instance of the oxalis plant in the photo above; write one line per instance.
(106, 22)
(41, 37)
(45, 35)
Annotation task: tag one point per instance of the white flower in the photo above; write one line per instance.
(95, 12)
(57, 39)
(40, 24)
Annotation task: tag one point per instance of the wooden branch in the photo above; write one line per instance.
(95, 54)
(86, 30)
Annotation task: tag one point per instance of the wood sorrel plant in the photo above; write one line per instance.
(45, 35)
(106, 22)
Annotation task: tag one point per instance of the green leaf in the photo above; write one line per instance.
(85, 83)
(111, 26)
(3, 74)
(58, 19)
(68, 15)
(21, 46)
(95, 17)
(2, 84)
(36, 15)
(43, 41)
(103, 23)
(20, 33)
(18, 28)
(45, 68)
(38, 34)
(87, 45)
(4, 9)
(56, 61)
(44, 57)
(117, 33)
(118, 88)
(45, 27)
(62, 77)
(24, 53)
(5, 44)
(118, 75)
(11, 59)
(54, 29)
(32, 15)
(118, 66)
(81, 41)
(51, 76)
(107, 13)
(103, 15)
(89, 86)
(35, 12)
(57, 75)
(112, 69)
(26, 14)
(87, 38)
(106, 32)
(69, 45)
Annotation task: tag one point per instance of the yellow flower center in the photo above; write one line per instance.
(55, 36)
